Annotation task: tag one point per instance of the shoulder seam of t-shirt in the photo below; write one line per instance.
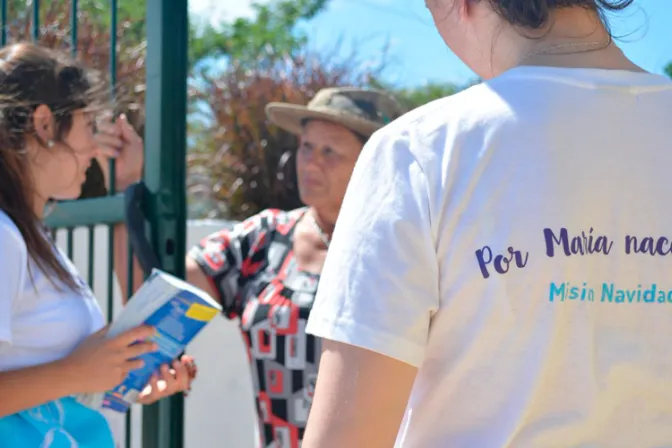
(398, 135)
(450, 109)
(647, 82)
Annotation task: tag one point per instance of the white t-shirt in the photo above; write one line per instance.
(38, 323)
(514, 242)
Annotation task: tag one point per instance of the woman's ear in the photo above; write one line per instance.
(43, 123)
(464, 8)
(455, 10)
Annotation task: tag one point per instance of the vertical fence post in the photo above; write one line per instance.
(165, 142)
(36, 21)
(112, 171)
(3, 11)
(73, 27)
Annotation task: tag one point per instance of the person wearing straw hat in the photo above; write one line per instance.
(266, 269)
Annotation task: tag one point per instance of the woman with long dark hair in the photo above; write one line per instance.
(52, 332)
(500, 272)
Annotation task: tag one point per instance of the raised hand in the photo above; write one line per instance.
(118, 140)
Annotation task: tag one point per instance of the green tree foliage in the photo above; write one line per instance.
(240, 163)
(271, 31)
(94, 37)
(248, 42)
(668, 69)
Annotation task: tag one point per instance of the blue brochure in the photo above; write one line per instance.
(178, 311)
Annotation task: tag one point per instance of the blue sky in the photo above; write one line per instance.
(416, 54)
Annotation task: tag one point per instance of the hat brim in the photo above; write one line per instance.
(291, 118)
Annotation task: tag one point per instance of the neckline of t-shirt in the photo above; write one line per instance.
(588, 77)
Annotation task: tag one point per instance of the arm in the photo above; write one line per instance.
(26, 388)
(95, 365)
(226, 259)
(218, 264)
(377, 294)
(121, 263)
(353, 407)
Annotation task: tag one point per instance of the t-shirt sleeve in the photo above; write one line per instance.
(13, 269)
(231, 257)
(379, 285)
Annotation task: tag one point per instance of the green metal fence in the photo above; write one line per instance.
(165, 142)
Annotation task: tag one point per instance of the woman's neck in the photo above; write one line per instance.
(39, 204)
(324, 219)
(577, 38)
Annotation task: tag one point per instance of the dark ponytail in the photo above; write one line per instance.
(535, 14)
(31, 76)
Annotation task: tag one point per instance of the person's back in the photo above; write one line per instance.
(505, 280)
(555, 245)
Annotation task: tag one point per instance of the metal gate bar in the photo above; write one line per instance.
(3, 11)
(111, 189)
(165, 168)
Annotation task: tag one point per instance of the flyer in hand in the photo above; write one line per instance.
(178, 311)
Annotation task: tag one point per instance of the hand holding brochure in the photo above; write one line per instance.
(178, 311)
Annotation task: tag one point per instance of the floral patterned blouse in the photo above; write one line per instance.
(253, 269)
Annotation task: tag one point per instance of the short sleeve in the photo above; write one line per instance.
(379, 285)
(13, 269)
(231, 257)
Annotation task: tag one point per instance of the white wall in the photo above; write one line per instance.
(219, 412)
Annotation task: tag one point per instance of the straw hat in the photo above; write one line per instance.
(363, 111)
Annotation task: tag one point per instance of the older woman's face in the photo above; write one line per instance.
(325, 159)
